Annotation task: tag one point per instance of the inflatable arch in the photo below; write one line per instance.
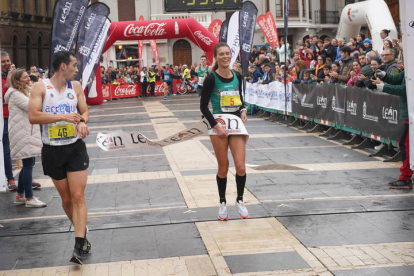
(374, 13)
(157, 29)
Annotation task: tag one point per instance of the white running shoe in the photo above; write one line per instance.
(222, 215)
(243, 213)
(35, 203)
(19, 200)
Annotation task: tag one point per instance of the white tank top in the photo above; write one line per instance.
(60, 133)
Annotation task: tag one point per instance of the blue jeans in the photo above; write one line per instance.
(6, 151)
(25, 177)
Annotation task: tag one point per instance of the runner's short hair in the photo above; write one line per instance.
(61, 57)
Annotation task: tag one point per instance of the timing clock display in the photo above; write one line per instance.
(201, 5)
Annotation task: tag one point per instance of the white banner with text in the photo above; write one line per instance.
(272, 95)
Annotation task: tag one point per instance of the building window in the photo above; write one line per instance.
(126, 10)
(279, 8)
(28, 52)
(40, 52)
(15, 50)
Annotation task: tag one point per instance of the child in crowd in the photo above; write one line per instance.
(306, 78)
(254, 74)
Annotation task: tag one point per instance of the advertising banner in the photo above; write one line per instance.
(353, 108)
(155, 55)
(67, 17)
(269, 95)
(233, 37)
(90, 32)
(247, 23)
(215, 27)
(140, 48)
(304, 99)
(267, 23)
(223, 31)
(129, 140)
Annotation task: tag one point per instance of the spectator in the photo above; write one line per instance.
(283, 50)
(261, 61)
(360, 43)
(300, 68)
(354, 51)
(366, 72)
(104, 76)
(341, 44)
(344, 73)
(329, 50)
(267, 76)
(334, 70)
(255, 74)
(368, 45)
(177, 73)
(388, 45)
(354, 73)
(396, 86)
(128, 79)
(391, 64)
(314, 43)
(319, 74)
(6, 74)
(151, 81)
(40, 73)
(326, 71)
(384, 34)
(144, 81)
(306, 78)
(319, 49)
(307, 56)
(25, 140)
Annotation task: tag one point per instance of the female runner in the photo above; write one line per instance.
(223, 79)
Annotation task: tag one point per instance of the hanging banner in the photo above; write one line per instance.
(130, 140)
(215, 27)
(154, 48)
(267, 23)
(67, 17)
(223, 31)
(270, 95)
(91, 39)
(140, 48)
(233, 37)
(247, 23)
(407, 29)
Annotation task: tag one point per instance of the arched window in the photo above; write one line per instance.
(40, 52)
(28, 52)
(15, 51)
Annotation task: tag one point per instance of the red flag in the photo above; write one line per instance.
(140, 47)
(215, 27)
(154, 49)
(268, 26)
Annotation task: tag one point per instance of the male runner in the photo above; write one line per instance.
(202, 71)
(168, 79)
(55, 104)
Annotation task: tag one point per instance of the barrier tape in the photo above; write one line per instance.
(131, 139)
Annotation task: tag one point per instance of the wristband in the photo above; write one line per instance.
(82, 120)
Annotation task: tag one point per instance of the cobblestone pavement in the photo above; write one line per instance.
(323, 209)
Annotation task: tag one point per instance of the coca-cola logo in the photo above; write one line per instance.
(216, 29)
(105, 91)
(158, 89)
(153, 29)
(129, 90)
(203, 38)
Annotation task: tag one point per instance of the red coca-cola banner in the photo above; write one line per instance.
(140, 47)
(267, 24)
(215, 27)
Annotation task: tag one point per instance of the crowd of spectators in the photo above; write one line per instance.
(350, 62)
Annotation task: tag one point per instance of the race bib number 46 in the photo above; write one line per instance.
(62, 132)
(230, 101)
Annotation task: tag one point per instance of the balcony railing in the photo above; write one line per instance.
(203, 18)
(293, 14)
(326, 17)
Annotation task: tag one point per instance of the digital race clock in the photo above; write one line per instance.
(201, 5)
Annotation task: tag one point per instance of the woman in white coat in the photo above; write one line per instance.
(25, 141)
(283, 50)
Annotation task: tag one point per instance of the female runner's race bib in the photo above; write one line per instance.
(230, 101)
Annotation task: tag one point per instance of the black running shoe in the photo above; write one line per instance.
(77, 256)
(86, 246)
(401, 184)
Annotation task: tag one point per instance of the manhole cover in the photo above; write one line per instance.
(277, 167)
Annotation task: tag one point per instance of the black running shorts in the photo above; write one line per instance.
(58, 160)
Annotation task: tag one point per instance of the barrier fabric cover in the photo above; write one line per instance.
(267, 23)
(67, 17)
(270, 95)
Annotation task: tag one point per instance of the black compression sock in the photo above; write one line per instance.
(79, 242)
(222, 185)
(241, 183)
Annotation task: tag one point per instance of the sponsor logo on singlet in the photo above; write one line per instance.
(70, 96)
(60, 109)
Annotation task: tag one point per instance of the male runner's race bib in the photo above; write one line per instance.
(200, 81)
(61, 132)
(230, 101)
(167, 77)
